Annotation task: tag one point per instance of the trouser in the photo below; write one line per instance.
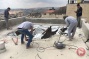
(79, 22)
(26, 32)
(6, 21)
(72, 30)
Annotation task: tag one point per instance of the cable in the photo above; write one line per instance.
(40, 49)
(72, 45)
(38, 56)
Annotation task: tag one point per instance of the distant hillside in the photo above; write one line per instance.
(1, 11)
(60, 10)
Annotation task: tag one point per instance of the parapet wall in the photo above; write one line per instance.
(16, 21)
(85, 28)
(12, 22)
(47, 20)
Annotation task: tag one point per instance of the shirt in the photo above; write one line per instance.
(79, 12)
(26, 25)
(70, 20)
(6, 13)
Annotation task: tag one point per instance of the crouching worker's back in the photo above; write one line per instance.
(23, 30)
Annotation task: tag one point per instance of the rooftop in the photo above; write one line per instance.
(43, 48)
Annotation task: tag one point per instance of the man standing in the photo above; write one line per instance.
(79, 14)
(72, 25)
(23, 29)
(6, 16)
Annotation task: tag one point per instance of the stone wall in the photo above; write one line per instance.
(72, 7)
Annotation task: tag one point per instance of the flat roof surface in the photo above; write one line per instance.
(43, 48)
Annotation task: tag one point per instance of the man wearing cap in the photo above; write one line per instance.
(6, 16)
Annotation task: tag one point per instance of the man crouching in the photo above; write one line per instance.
(23, 29)
(71, 23)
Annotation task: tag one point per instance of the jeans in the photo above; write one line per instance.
(26, 32)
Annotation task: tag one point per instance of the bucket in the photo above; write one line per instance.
(2, 47)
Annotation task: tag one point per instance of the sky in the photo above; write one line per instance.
(31, 3)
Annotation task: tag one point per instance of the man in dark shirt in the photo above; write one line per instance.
(79, 14)
(6, 16)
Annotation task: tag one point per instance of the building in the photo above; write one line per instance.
(49, 12)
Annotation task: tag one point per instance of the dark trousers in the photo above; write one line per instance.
(6, 21)
(79, 22)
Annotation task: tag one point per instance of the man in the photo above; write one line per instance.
(72, 25)
(6, 16)
(79, 14)
(23, 29)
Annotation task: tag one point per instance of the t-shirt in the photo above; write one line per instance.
(79, 12)
(6, 13)
(26, 25)
(70, 20)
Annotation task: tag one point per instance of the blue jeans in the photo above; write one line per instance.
(26, 32)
